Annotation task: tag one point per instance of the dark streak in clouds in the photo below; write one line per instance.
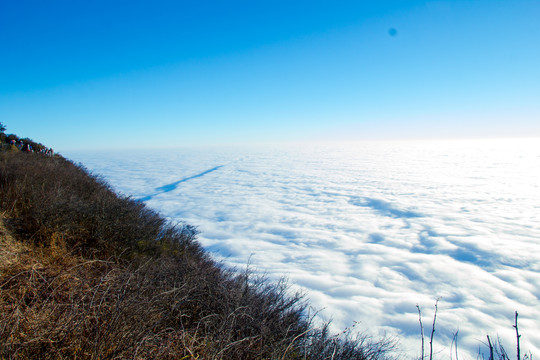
(384, 208)
(464, 252)
(173, 186)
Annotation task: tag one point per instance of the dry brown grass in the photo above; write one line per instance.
(90, 274)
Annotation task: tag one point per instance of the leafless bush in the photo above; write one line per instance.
(349, 344)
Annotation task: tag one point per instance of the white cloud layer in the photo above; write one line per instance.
(369, 230)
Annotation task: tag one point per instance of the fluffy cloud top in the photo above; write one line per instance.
(369, 230)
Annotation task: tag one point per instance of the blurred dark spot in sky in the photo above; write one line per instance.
(392, 32)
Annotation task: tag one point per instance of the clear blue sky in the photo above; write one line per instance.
(90, 74)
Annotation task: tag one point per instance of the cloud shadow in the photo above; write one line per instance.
(464, 252)
(384, 208)
(173, 186)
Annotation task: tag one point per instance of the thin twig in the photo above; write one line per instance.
(454, 345)
(292, 342)
(517, 336)
(421, 329)
(457, 356)
(433, 331)
(490, 348)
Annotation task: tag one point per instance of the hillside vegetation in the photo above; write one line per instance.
(86, 273)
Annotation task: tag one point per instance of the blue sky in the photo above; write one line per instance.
(79, 74)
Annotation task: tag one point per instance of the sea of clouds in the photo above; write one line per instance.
(369, 230)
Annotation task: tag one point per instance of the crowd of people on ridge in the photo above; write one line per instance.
(20, 145)
(12, 142)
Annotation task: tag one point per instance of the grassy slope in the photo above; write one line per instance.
(89, 274)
